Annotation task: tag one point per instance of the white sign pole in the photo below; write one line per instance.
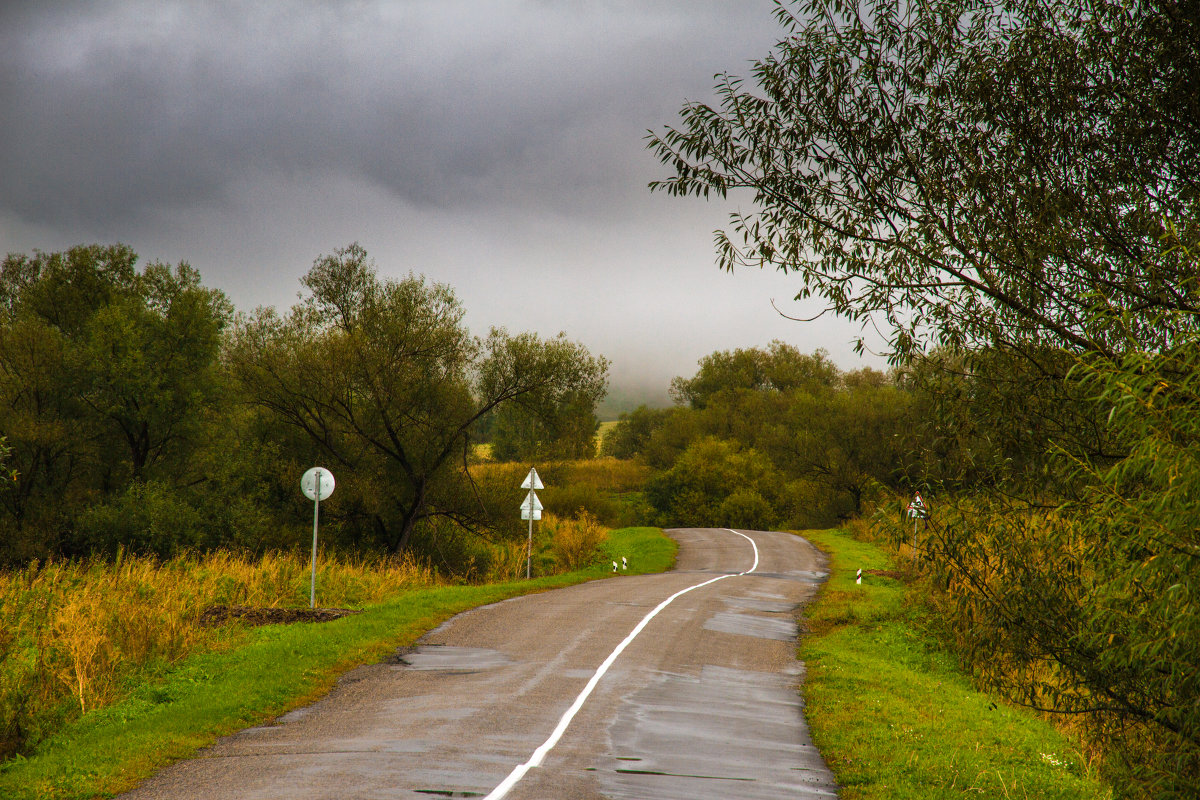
(529, 550)
(312, 586)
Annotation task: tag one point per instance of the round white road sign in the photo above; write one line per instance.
(309, 483)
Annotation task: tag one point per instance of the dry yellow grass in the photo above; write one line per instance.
(608, 474)
(575, 542)
(73, 631)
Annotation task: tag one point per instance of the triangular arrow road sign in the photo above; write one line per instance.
(532, 481)
(531, 501)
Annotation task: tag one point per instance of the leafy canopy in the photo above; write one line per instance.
(966, 173)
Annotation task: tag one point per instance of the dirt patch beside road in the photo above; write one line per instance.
(219, 615)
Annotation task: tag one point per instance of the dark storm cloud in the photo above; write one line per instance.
(116, 110)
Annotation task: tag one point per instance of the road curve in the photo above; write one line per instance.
(701, 704)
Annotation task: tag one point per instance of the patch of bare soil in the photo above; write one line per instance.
(887, 573)
(218, 615)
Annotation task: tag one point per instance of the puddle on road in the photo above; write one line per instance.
(767, 603)
(811, 576)
(445, 658)
(728, 733)
(783, 630)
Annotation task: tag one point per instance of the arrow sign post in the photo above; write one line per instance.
(531, 509)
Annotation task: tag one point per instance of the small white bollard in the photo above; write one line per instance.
(624, 563)
(614, 566)
(859, 577)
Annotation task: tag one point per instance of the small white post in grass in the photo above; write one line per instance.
(859, 577)
(317, 484)
(624, 563)
(531, 509)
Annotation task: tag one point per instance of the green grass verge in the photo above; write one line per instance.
(895, 717)
(280, 667)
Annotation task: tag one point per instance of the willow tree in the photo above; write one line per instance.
(967, 172)
(1018, 177)
(385, 381)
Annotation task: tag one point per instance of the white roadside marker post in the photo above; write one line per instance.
(317, 484)
(531, 509)
(859, 577)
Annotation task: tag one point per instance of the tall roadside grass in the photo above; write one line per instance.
(561, 544)
(576, 542)
(78, 634)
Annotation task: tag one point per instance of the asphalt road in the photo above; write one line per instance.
(700, 704)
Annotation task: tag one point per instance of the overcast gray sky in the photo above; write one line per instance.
(495, 146)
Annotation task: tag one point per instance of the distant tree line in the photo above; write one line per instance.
(769, 437)
(140, 412)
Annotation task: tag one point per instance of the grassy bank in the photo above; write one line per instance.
(180, 707)
(896, 718)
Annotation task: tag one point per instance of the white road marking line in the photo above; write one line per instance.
(535, 760)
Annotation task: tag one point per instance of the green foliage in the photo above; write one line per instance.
(716, 483)
(631, 434)
(569, 499)
(970, 173)
(831, 437)
(745, 507)
(382, 378)
(895, 717)
(781, 367)
(1087, 607)
(555, 428)
(671, 432)
(109, 378)
(844, 442)
(991, 417)
(145, 518)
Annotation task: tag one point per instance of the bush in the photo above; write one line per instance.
(148, 518)
(693, 492)
(575, 542)
(746, 508)
(571, 499)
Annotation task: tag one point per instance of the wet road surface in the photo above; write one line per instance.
(701, 704)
